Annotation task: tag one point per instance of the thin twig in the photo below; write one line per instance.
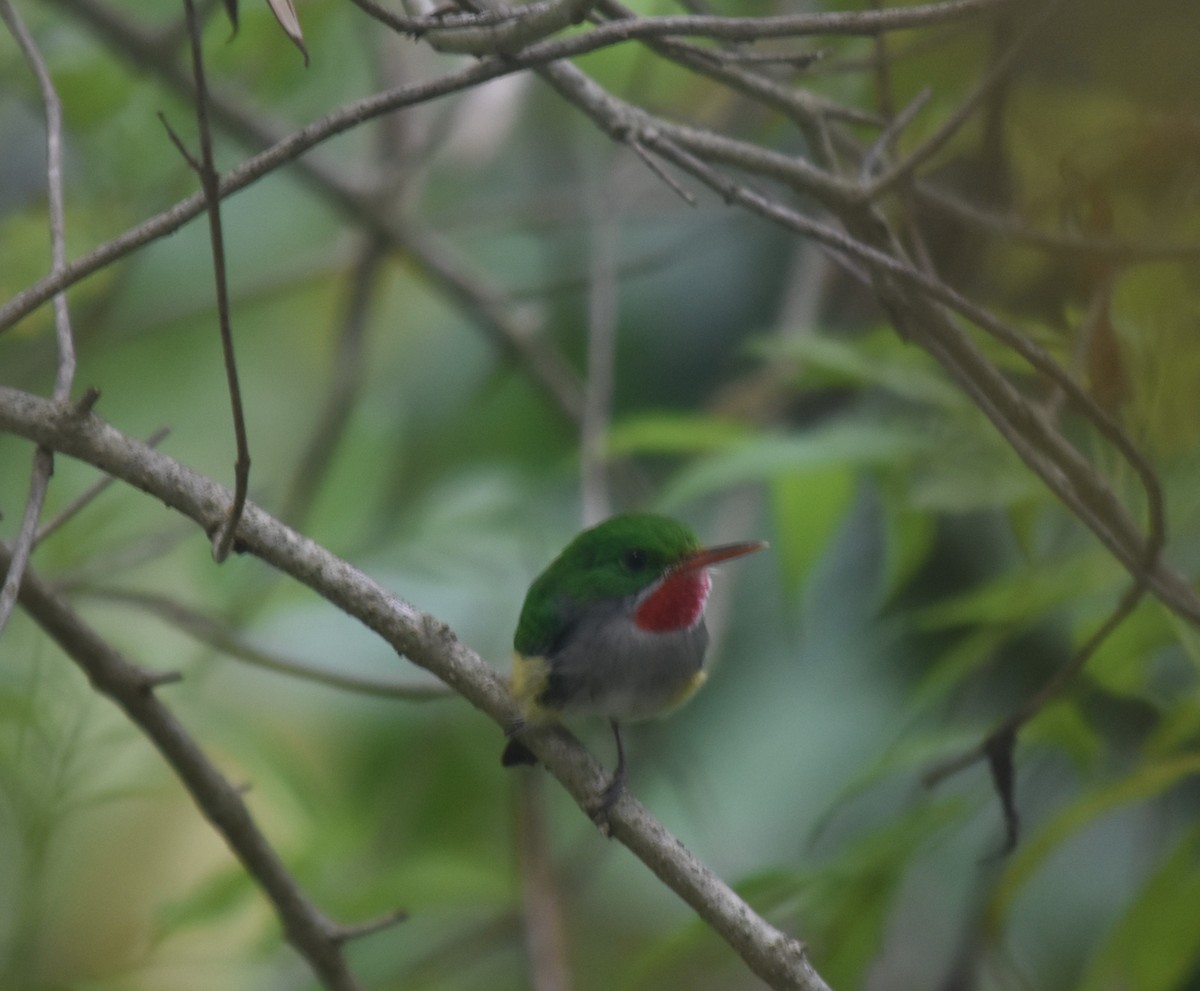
(54, 188)
(881, 148)
(347, 932)
(85, 499)
(229, 642)
(997, 73)
(799, 105)
(210, 184)
(794, 60)
(881, 69)
(669, 180)
(290, 148)
(887, 137)
(39, 481)
(43, 460)
(481, 31)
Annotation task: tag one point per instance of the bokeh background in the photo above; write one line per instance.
(920, 582)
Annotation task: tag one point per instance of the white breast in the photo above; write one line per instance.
(610, 667)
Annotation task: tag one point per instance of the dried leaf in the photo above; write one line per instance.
(1000, 760)
(285, 14)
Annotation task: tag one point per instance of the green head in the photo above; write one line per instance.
(618, 559)
(613, 560)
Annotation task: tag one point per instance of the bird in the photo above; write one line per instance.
(614, 627)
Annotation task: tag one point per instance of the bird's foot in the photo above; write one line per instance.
(616, 787)
(608, 798)
(515, 752)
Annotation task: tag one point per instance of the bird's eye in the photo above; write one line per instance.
(634, 559)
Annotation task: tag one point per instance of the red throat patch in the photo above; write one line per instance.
(675, 603)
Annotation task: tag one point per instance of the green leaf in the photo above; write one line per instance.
(879, 359)
(692, 946)
(1063, 726)
(1120, 663)
(1156, 944)
(1147, 782)
(908, 539)
(807, 508)
(674, 433)
(846, 906)
(970, 468)
(1188, 637)
(215, 899)
(1176, 730)
(1023, 594)
(906, 758)
(843, 443)
(968, 653)
(843, 907)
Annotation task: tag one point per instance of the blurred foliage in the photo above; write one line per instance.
(921, 582)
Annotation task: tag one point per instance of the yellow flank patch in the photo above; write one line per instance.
(688, 690)
(530, 676)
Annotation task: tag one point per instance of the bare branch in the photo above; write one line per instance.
(488, 32)
(283, 152)
(847, 178)
(777, 958)
(879, 148)
(508, 30)
(480, 32)
(806, 109)
(43, 460)
(429, 255)
(347, 933)
(910, 295)
(627, 124)
(313, 935)
(793, 60)
(861, 23)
